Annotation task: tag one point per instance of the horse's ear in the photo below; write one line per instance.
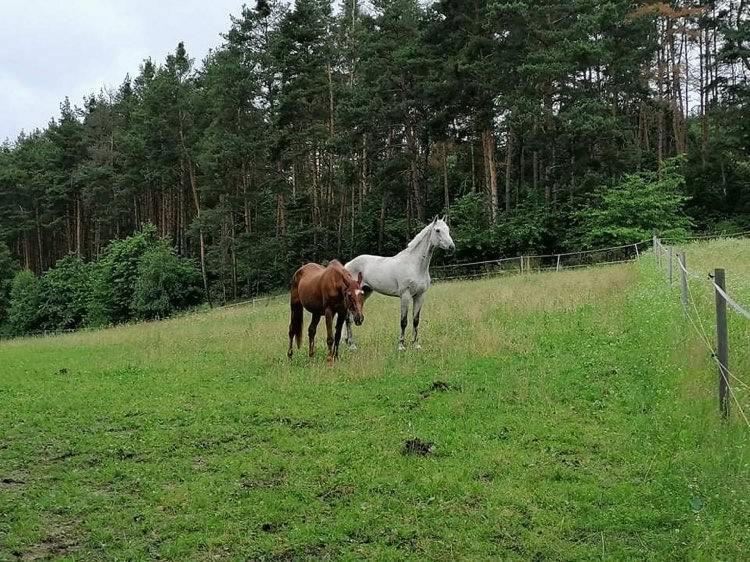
(435, 219)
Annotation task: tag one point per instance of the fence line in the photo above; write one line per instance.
(720, 354)
(559, 255)
(710, 236)
(253, 301)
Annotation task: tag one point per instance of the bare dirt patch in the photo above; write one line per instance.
(59, 541)
(12, 482)
(439, 386)
(418, 447)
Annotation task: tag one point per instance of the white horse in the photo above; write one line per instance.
(405, 275)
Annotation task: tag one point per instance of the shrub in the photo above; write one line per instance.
(64, 294)
(165, 283)
(115, 275)
(631, 210)
(23, 314)
(8, 269)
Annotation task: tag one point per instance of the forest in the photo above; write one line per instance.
(324, 130)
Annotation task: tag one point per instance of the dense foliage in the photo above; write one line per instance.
(23, 315)
(312, 133)
(635, 207)
(137, 277)
(165, 283)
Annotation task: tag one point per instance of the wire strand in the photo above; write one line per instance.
(731, 302)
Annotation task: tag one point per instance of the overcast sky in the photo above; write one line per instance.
(50, 49)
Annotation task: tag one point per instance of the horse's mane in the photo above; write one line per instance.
(419, 237)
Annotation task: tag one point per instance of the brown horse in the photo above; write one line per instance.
(324, 291)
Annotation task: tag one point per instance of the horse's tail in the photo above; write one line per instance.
(295, 325)
(297, 319)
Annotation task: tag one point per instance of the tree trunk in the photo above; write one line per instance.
(42, 264)
(509, 168)
(473, 172)
(79, 226)
(446, 192)
(418, 205)
(488, 142)
(547, 183)
(202, 239)
(381, 224)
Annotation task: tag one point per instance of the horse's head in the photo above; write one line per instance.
(440, 235)
(354, 296)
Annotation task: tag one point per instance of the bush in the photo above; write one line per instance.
(64, 294)
(23, 314)
(8, 269)
(165, 283)
(469, 228)
(631, 210)
(115, 275)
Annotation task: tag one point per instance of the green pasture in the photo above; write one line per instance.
(560, 416)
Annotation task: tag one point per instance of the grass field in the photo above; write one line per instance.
(572, 416)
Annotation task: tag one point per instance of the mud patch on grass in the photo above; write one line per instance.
(485, 477)
(294, 423)
(418, 447)
(12, 482)
(319, 551)
(336, 493)
(64, 456)
(265, 481)
(439, 386)
(58, 542)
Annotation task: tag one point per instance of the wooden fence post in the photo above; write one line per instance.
(722, 344)
(669, 265)
(683, 281)
(558, 263)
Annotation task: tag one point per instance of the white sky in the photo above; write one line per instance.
(50, 49)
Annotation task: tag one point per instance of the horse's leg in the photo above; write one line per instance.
(349, 333)
(418, 299)
(340, 319)
(311, 333)
(404, 318)
(329, 330)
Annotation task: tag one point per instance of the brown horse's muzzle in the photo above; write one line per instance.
(358, 319)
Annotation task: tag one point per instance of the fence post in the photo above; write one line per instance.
(722, 344)
(669, 265)
(558, 262)
(521, 265)
(637, 253)
(683, 281)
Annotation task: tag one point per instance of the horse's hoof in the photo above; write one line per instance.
(401, 347)
(417, 346)
(352, 347)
